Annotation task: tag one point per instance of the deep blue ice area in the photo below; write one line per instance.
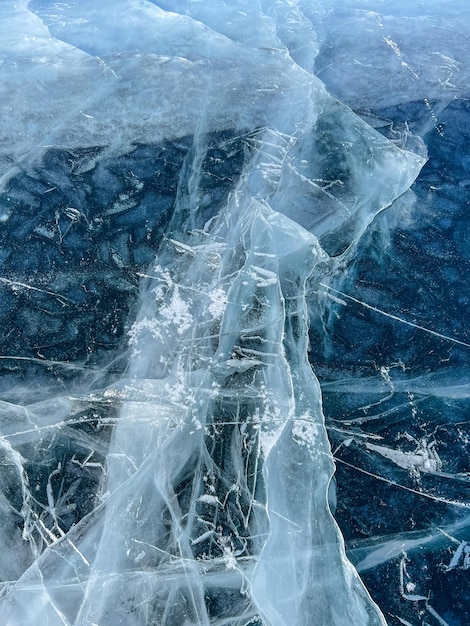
(234, 358)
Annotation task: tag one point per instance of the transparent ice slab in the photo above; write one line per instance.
(199, 214)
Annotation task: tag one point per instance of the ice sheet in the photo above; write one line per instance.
(193, 229)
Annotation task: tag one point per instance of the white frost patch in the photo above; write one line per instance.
(123, 203)
(138, 328)
(208, 499)
(305, 431)
(139, 557)
(218, 302)
(270, 427)
(44, 231)
(268, 440)
(229, 558)
(165, 283)
(177, 312)
(176, 391)
(424, 459)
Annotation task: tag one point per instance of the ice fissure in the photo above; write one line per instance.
(197, 208)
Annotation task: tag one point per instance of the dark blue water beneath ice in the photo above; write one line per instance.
(420, 275)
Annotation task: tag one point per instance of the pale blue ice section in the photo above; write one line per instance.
(214, 492)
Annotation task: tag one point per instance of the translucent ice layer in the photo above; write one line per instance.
(185, 214)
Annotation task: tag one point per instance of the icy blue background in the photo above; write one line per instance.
(127, 127)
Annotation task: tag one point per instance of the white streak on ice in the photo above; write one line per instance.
(396, 318)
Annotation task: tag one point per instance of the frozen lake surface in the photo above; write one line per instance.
(234, 359)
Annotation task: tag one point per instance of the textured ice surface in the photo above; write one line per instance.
(192, 230)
